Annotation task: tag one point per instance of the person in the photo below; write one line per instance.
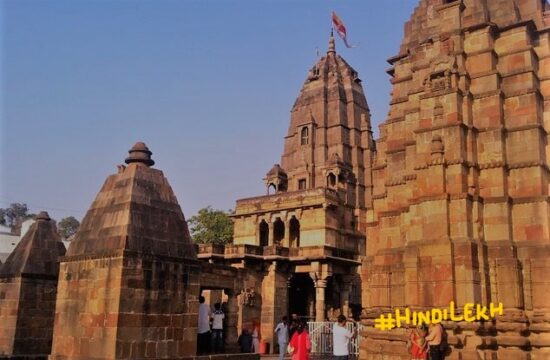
(292, 327)
(294, 321)
(300, 344)
(282, 336)
(245, 341)
(203, 331)
(340, 339)
(217, 328)
(418, 346)
(256, 336)
(434, 341)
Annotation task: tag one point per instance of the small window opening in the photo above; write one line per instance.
(264, 233)
(305, 136)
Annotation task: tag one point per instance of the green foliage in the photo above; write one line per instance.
(67, 227)
(211, 226)
(14, 215)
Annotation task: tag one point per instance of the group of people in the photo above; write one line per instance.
(210, 328)
(427, 343)
(249, 340)
(293, 338)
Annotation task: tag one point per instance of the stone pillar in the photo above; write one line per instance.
(320, 286)
(270, 233)
(231, 322)
(274, 302)
(286, 238)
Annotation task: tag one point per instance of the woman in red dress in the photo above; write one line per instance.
(300, 343)
(418, 346)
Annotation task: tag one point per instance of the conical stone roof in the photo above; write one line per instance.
(135, 210)
(38, 251)
(330, 79)
(330, 115)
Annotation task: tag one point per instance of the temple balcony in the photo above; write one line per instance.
(237, 252)
(318, 197)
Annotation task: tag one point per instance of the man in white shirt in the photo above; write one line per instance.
(217, 328)
(282, 336)
(340, 339)
(203, 331)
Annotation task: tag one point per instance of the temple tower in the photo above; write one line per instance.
(129, 284)
(460, 205)
(329, 141)
(28, 285)
(301, 243)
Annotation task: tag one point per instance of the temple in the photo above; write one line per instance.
(129, 283)
(301, 243)
(28, 287)
(460, 205)
(450, 204)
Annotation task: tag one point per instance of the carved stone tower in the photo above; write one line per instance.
(303, 241)
(461, 178)
(329, 142)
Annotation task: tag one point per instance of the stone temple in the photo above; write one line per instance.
(301, 244)
(460, 206)
(450, 204)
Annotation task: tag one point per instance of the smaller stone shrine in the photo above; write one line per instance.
(28, 286)
(130, 281)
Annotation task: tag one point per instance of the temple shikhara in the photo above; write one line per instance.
(460, 207)
(450, 204)
(301, 244)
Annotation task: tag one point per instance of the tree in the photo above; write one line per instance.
(2, 216)
(67, 227)
(211, 226)
(14, 215)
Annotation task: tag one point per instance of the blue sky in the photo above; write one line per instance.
(207, 85)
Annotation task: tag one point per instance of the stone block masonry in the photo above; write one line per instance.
(28, 285)
(129, 284)
(461, 207)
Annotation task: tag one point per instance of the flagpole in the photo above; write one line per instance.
(331, 25)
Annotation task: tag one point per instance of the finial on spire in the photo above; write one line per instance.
(42, 216)
(140, 153)
(331, 44)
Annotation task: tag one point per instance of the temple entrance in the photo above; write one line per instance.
(301, 296)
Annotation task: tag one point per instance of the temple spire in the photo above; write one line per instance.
(331, 43)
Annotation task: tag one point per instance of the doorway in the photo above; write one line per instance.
(301, 295)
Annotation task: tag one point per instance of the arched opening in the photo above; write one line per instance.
(271, 187)
(294, 232)
(264, 233)
(304, 136)
(331, 180)
(278, 231)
